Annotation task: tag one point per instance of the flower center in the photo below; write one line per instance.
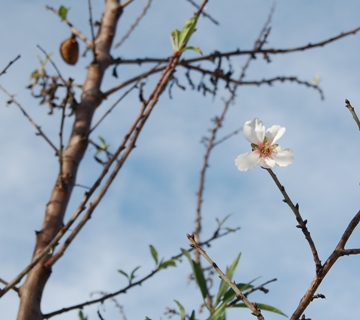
(265, 148)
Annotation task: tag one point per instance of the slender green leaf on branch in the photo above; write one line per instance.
(192, 317)
(219, 313)
(123, 273)
(154, 254)
(182, 310)
(198, 274)
(188, 29)
(261, 307)
(63, 12)
(81, 316)
(168, 263)
(132, 275)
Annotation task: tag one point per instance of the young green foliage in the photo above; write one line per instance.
(180, 38)
(63, 12)
(198, 274)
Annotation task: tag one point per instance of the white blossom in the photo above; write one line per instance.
(265, 152)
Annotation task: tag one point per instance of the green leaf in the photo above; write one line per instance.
(123, 273)
(81, 316)
(63, 12)
(174, 38)
(197, 49)
(229, 273)
(147, 318)
(198, 274)
(192, 317)
(261, 306)
(188, 29)
(132, 276)
(168, 263)
(219, 313)
(182, 310)
(154, 254)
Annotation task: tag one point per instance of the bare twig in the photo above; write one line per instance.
(352, 111)
(112, 107)
(92, 30)
(204, 13)
(52, 62)
(299, 219)
(255, 311)
(9, 64)
(133, 26)
(6, 283)
(38, 128)
(320, 275)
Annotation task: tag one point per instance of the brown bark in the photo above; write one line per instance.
(31, 292)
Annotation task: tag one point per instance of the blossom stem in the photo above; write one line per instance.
(299, 219)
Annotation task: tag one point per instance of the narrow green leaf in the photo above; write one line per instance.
(192, 317)
(123, 273)
(198, 274)
(81, 316)
(219, 313)
(192, 48)
(147, 318)
(188, 30)
(174, 38)
(63, 12)
(154, 254)
(168, 263)
(182, 310)
(261, 306)
(229, 273)
(132, 276)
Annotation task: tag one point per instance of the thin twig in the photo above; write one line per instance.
(133, 26)
(352, 111)
(112, 107)
(299, 219)
(92, 30)
(9, 64)
(228, 136)
(204, 13)
(338, 252)
(6, 283)
(47, 56)
(255, 311)
(38, 128)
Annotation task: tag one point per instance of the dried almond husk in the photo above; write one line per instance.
(69, 50)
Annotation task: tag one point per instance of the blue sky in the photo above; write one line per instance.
(153, 199)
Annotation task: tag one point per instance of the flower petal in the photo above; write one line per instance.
(283, 157)
(247, 161)
(254, 131)
(275, 133)
(269, 163)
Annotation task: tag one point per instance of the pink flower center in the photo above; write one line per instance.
(265, 149)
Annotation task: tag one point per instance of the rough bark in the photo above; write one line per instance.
(31, 291)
